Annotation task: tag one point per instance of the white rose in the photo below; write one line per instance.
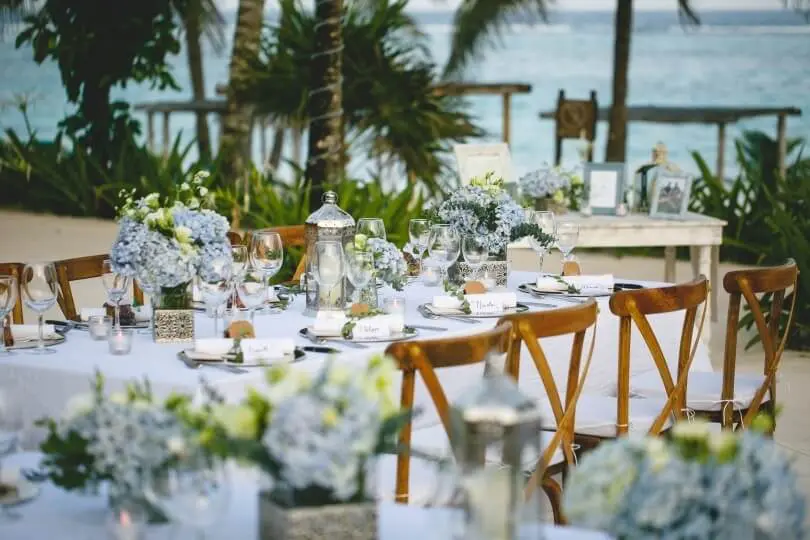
(185, 186)
(203, 191)
(238, 421)
(183, 234)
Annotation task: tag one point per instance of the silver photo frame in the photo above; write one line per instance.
(604, 185)
(670, 195)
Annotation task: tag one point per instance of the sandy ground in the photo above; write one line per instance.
(30, 237)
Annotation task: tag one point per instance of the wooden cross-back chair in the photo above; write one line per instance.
(424, 358)
(528, 328)
(291, 236)
(15, 270)
(78, 269)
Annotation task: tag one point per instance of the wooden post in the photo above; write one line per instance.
(166, 143)
(721, 150)
(507, 116)
(150, 130)
(263, 140)
(781, 140)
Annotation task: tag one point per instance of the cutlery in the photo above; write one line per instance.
(322, 350)
(321, 341)
(426, 313)
(33, 475)
(425, 327)
(538, 304)
(62, 327)
(191, 364)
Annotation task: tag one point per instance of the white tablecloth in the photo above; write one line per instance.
(67, 516)
(37, 386)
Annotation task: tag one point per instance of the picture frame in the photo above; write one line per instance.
(475, 160)
(670, 195)
(605, 185)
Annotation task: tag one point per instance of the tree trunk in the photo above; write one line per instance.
(95, 107)
(195, 70)
(617, 130)
(234, 149)
(325, 146)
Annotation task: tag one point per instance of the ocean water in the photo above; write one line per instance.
(733, 59)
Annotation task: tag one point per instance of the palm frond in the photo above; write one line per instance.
(477, 23)
(13, 12)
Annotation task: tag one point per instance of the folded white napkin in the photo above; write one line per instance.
(372, 327)
(547, 283)
(213, 346)
(446, 302)
(492, 302)
(258, 350)
(329, 323)
(30, 332)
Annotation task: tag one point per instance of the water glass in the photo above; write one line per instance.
(419, 234)
(266, 254)
(444, 246)
(39, 287)
(252, 290)
(116, 285)
(359, 269)
(567, 236)
(548, 224)
(328, 268)
(371, 228)
(8, 298)
(147, 284)
(475, 253)
(214, 283)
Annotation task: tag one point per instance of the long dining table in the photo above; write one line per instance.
(38, 386)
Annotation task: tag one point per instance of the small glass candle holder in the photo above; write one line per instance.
(431, 273)
(127, 521)
(120, 341)
(394, 306)
(98, 326)
(621, 210)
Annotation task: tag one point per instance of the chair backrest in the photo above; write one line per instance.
(634, 307)
(14, 269)
(235, 238)
(530, 327)
(77, 269)
(573, 119)
(424, 358)
(775, 281)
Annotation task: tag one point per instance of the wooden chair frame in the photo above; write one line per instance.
(78, 269)
(633, 307)
(424, 358)
(746, 284)
(15, 269)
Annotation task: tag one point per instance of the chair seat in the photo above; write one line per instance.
(423, 476)
(596, 415)
(703, 389)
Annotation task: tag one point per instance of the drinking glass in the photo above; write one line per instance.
(419, 234)
(371, 228)
(567, 236)
(240, 261)
(8, 297)
(194, 492)
(11, 425)
(116, 285)
(475, 253)
(39, 287)
(548, 224)
(329, 267)
(359, 269)
(266, 254)
(252, 290)
(214, 283)
(444, 245)
(148, 285)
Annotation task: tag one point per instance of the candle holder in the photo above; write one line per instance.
(394, 306)
(98, 326)
(127, 521)
(120, 341)
(431, 273)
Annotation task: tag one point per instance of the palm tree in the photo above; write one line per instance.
(13, 11)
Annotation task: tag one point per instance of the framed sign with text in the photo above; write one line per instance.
(604, 184)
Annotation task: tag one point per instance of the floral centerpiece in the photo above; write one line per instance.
(553, 188)
(115, 440)
(696, 485)
(390, 266)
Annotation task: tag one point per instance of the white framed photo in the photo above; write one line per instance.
(604, 184)
(475, 160)
(670, 195)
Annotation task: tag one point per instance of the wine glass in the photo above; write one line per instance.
(359, 269)
(40, 286)
(148, 284)
(116, 285)
(193, 492)
(444, 245)
(329, 267)
(419, 234)
(548, 224)
(567, 236)
(11, 424)
(475, 253)
(8, 298)
(267, 254)
(371, 228)
(214, 283)
(252, 290)
(240, 261)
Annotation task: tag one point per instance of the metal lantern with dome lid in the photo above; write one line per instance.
(496, 435)
(328, 223)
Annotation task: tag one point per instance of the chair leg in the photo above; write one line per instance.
(554, 493)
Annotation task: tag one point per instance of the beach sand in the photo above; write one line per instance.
(30, 237)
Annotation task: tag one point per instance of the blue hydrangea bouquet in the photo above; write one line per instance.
(697, 485)
(553, 188)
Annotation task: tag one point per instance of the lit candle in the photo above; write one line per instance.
(395, 308)
(98, 327)
(431, 273)
(123, 527)
(120, 342)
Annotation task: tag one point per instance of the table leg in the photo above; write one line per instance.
(704, 258)
(693, 258)
(715, 282)
(669, 264)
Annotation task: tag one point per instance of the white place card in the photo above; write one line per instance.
(484, 304)
(371, 328)
(266, 349)
(591, 283)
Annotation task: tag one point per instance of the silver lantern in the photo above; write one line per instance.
(495, 430)
(328, 222)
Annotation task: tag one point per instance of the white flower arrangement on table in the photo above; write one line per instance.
(315, 436)
(563, 186)
(717, 486)
(485, 210)
(389, 262)
(166, 243)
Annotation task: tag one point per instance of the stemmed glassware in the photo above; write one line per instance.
(8, 298)
(359, 269)
(267, 255)
(40, 286)
(548, 224)
(567, 236)
(371, 228)
(148, 285)
(444, 246)
(116, 285)
(252, 290)
(329, 268)
(475, 253)
(215, 287)
(240, 261)
(419, 234)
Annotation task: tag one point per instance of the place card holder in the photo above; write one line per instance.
(173, 326)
